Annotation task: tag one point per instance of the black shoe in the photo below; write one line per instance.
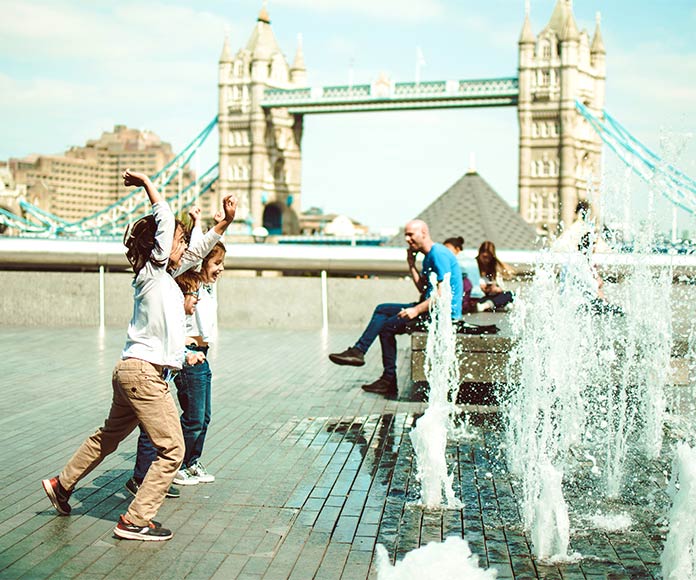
(352, 356)
(381, 386)
(132, 486)
(57, 494)
(154, 532)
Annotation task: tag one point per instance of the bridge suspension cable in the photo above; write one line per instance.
(113, 219)
(676, 186)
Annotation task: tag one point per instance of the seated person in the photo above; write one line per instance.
(473, 293)
(572, 234)
(391, 319)
(492, 271)
(594, 287)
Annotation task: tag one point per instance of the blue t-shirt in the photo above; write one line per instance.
(471, 271)
(441, 261)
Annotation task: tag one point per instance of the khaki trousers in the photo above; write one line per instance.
(140, 396)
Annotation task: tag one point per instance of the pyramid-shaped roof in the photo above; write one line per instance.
(472, 209)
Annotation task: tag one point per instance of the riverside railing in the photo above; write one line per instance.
(44, 254)
(23, 260)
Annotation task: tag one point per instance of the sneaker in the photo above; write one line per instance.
(351, 356)
(381, 386)
(485, 305)
(184, 477)
(153, 532)
(58, 495)
(132, 486)
(200, 472)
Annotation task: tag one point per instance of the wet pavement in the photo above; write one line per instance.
(311, 473)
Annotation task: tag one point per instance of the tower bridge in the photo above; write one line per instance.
(559, 94)
(263, 100)
(385, 95)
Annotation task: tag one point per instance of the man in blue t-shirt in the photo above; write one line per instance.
(391, 319)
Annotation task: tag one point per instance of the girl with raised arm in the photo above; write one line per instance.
(153, 355)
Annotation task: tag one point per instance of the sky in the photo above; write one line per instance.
(70, 70)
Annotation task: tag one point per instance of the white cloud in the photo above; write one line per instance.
(35, 92)
(112, 31)
(394, 10)
(68, 60)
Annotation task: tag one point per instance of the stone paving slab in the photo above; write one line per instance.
(311, 472)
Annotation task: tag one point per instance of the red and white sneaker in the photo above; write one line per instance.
(57, 494)
(153, 532)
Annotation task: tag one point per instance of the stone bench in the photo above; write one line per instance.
(482, 357)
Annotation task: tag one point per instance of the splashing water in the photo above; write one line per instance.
(612, 522)
(429, 437)
(450, 560)
(585, 382)
(441, 366)
(679, 556)
(543, 409)
(551, 526)
(682, 419)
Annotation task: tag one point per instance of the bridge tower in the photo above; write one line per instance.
(260, 157)
(559, 153)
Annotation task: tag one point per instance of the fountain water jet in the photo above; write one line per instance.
(429, 437)
(679, 556)
(551, 527)
(586, 382)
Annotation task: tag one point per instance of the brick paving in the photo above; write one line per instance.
(311, 473)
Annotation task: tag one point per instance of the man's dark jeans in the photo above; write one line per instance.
(386, 324)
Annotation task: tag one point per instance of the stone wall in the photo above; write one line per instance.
(67, 299)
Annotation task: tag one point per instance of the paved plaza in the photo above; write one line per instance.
(311, 473)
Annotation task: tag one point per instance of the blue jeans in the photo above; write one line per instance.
(386, 324)
(193, 391)
(500, 300)
(147, 453)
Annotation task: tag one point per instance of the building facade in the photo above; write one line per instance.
(10, 194)
(85, 180)
(559, 153)
(260, 156)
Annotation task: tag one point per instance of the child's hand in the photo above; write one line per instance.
(193, 358)
(132, 178)
(229, 207)
(195, 214)
(217, 218)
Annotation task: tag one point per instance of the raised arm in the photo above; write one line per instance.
(200, 247)
(164, 218)
(132, 178)
(229, 209)
(197, 230)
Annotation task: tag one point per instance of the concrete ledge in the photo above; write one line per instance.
(484, 358)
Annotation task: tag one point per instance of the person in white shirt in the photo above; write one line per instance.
(195, 380)
(153, 354)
